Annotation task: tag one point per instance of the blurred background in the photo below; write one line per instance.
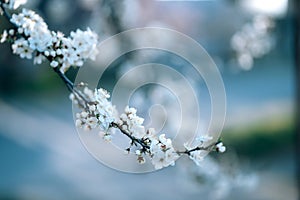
(251, 41)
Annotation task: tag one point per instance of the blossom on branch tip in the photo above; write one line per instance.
(141, 160)
(38, 59)
(198, 152)
(203, 138)
(3, 36)
(220, 147)
(54, 64)
(197, 156)
(106, 136)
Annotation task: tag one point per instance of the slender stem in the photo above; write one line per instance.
(188, 152)
(133, 139)
(70, 85)
(66, 80)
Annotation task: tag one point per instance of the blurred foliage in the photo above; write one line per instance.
(261, 140)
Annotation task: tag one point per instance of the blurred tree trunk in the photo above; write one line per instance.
(294, 7)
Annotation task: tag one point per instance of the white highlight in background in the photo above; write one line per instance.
(273, 8)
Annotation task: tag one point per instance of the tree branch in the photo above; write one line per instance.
(85, 102)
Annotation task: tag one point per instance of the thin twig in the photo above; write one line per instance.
(66, 80)
(133, 139)
(198, 148)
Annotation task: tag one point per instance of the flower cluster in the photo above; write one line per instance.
(74, 50)
(252, 41)
(220, 147)
(34, 30)
(197, 154)
(132, 123)
(162, 152)
(33, 39)
(99, 112)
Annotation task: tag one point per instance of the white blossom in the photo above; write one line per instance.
(54, 64)
(4, 36)
(67, 51)
(40, 40)
(132, 123)
(11, 32)
(81, 45)
(104, 109)
(162, 152)
(32, 24)
(38, 59)
(21, 48)
(203, 138)
(141, 160)
(140, 157)
(99, 114)
(20, 30)
(85, 43)
(150, 135)
(78, 123)
(92, 122)
(220, 147)
(197, 156)
(106, 136)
